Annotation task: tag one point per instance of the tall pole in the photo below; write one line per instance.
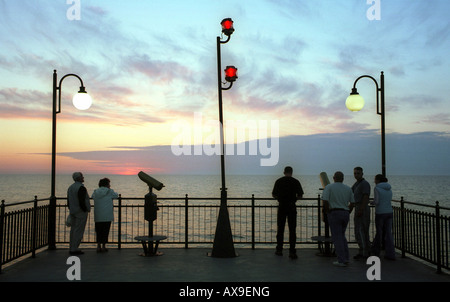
(222, 144)
(56, 108)
(383, 131)
(223, 246)
(52, 207)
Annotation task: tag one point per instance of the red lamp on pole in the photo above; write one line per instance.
(227, 26)
(231, 74)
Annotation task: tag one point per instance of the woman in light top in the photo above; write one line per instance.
(383, 218)
(103, 212)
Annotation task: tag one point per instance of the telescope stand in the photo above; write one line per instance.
(325, 242)
(147, 241)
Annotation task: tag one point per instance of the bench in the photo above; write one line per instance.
(147, 244)
(325, 243)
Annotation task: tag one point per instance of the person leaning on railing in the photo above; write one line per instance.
(103, 212)
(79, 207)
(287, 190)
(383, 218)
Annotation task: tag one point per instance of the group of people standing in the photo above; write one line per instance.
(80, 206)
(339, 200)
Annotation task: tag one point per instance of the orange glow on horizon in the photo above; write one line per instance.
(131, 170)
(128, 172)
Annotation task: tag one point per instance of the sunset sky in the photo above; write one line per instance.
(149, 66)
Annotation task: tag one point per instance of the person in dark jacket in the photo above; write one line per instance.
(287, 190)
(79, 207)
(361, 219)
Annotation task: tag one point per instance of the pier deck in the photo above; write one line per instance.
(193, 265)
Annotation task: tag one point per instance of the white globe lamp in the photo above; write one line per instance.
(354, 102)
(82, 100)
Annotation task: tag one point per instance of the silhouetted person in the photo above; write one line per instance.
(383, 217)
(287, 190)
(103, 212)
(336, 200)
(79, 207)
(361, 191)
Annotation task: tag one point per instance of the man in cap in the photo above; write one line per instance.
(79, 207)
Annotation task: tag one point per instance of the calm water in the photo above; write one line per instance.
(13, 188)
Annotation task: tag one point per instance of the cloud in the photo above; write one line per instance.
(157, 71)
(319, 107)
(98, 10)
(32, 104)
(421, 101)
(424, 153)
(291, 8)
(296, 60)
(439, 119)
(21, 103)
(397, 71)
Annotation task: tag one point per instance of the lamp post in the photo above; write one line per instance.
(223, 246)
(81, 101)
(355, 102)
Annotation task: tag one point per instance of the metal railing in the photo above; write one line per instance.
(423, 231)
(189, 222)
(22, 231)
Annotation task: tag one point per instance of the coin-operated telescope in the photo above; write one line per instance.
(150, 214)
(324, 241)
(150, 206)
(150, 181)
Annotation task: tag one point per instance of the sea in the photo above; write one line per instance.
(24, 187)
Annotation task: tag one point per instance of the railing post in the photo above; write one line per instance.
(402, 225)
(119, 218)
(33, 236)
(253, 221)
(186, 221)
(2, 222)
(319, 225)
(438, 238)
(52, 223)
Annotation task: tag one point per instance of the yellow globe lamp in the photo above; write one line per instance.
(354, 102)
(82, 100)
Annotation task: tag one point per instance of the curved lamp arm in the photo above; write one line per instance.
(226, 88)
(82, 88)
(380, 95)
(228, 39)
(354, 90)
